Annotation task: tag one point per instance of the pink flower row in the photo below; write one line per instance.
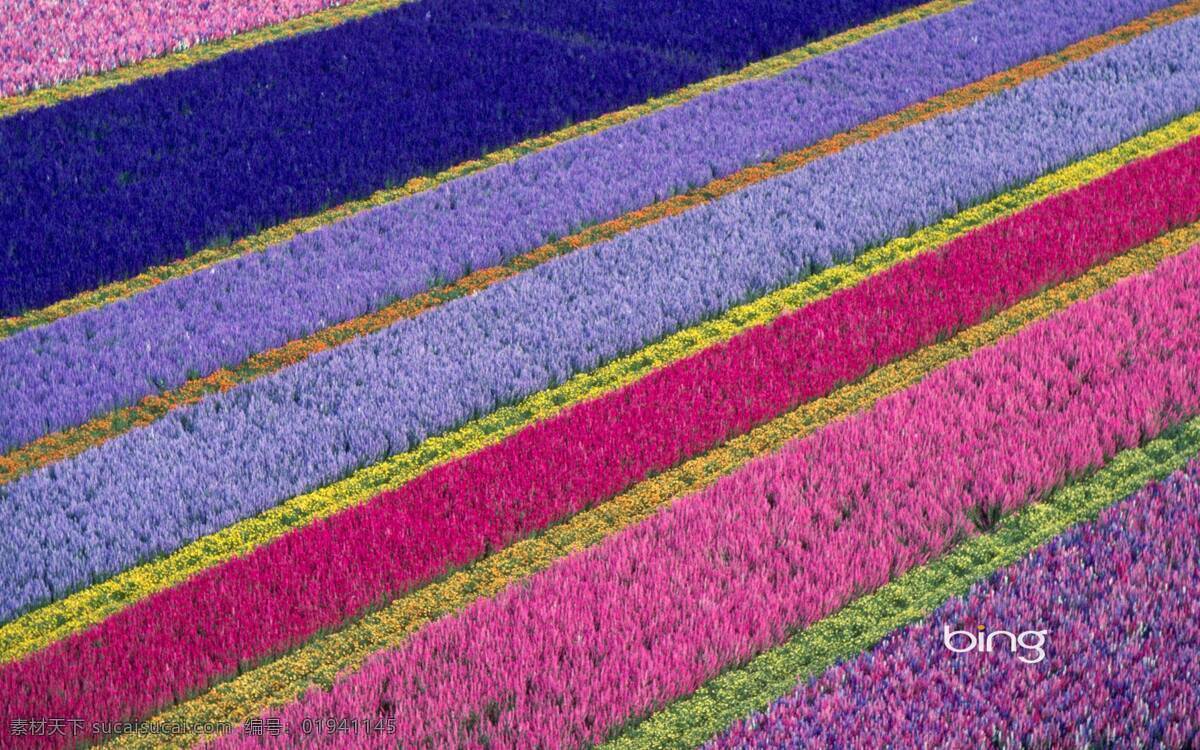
(43, 43)
(616, 631)
(318, 576)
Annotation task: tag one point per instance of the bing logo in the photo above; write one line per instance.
(1031, 641)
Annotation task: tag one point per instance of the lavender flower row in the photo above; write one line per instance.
(1104, 652)
(75, 368)
(235, 454)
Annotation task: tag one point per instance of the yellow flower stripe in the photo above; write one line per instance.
(258, 242)
(278, 682)
(65, 443)
(38, 628)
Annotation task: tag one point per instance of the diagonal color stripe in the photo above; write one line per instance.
(192, 326)
(863, 623)
(647, 615)
(317, 421)
(446, 518)
(72, 441)
(260, 241)
(40, 627)
(319, 661)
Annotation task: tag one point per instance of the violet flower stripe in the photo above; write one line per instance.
(62, 374)
(99, 188)
(650, 614)
(235, 454)
(43, 43)
(321, 575)
(1120, 658)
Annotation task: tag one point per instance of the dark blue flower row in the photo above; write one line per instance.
(100, 188)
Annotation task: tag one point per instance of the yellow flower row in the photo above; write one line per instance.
(258, 242)
(318, 662)
(57, 620)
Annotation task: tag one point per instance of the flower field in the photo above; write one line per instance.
(529, 374)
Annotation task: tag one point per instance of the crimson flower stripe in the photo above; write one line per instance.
(318, 576)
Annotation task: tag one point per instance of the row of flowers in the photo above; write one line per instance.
(85, 365)
(241, 452)
(99, 188)
(1114, 601)
(91, 605)
(745, 690)
(651, 613)
(279, 233)
(324, 657)
(57, 446)
(325, 573)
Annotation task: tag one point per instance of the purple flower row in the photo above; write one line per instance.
(1106, 629)
(233, 455)
(650, 614)
(62, 374)
(101, 187)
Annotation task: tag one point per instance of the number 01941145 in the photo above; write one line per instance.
(340, 725)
